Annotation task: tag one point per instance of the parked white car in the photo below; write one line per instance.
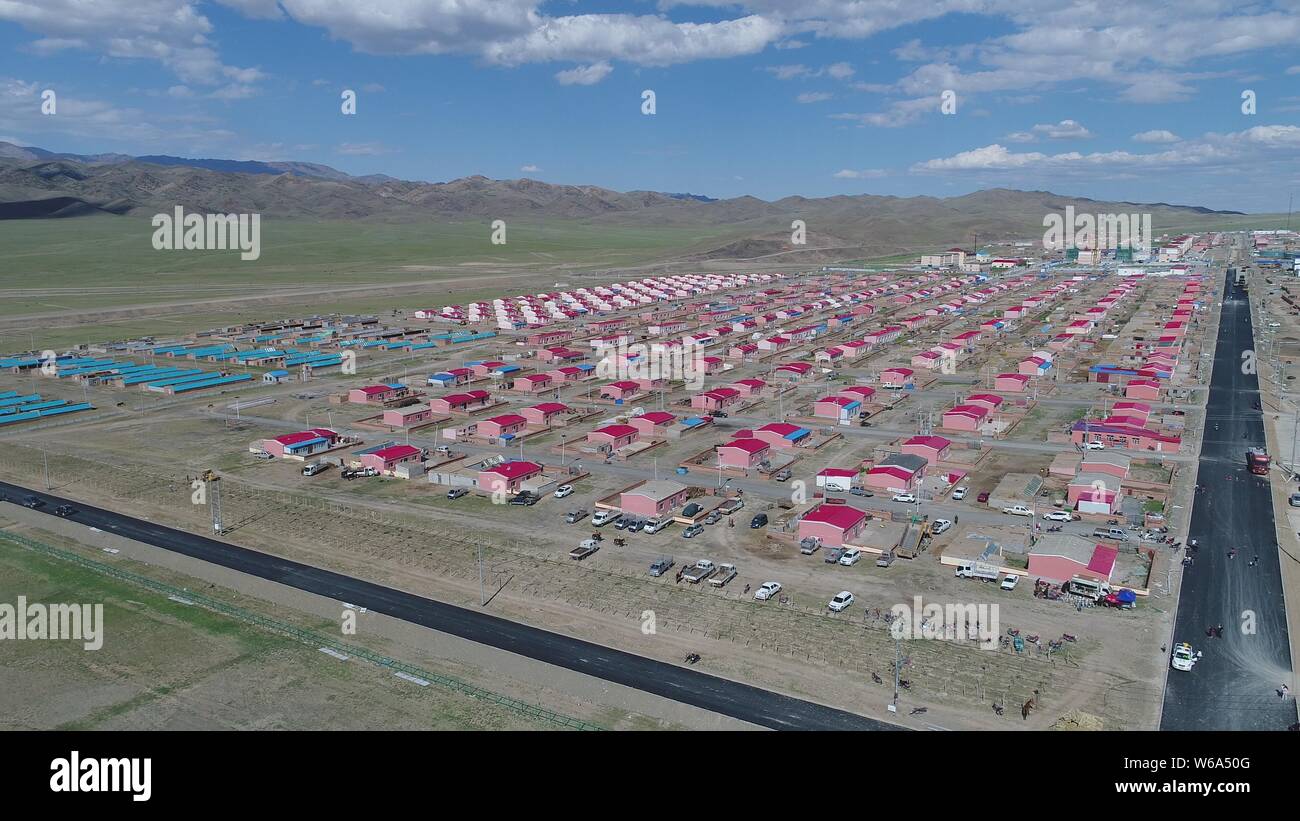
(958, 494)
(563, 490)
(1009, 583)
(603, 517)
(906, 498)
(1018, 510)
(1184, 658)
(1095, 446)
(1059, 516)
(939, 525)
(842, 600)
(850, 557)
(767, 590)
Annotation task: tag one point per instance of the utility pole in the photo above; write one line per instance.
(45, 456)
(482, 590)
(898, 664)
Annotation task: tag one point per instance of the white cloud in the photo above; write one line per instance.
(840, 71)
(584, 75)
(865, 174)
(1293, 70)
(899, 113)
(529, 169)
(363, 149)
(1158, 135)
(789, 72)
(1021, 137)
(814, 97)
(1248, 149)
(1064, 130)
(171, 32)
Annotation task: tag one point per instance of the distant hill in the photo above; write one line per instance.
(35, 183)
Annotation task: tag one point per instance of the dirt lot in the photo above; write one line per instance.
(797, 648)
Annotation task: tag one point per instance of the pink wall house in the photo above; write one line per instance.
(897, 377)
(622, 389)
(613, 437)
(748, 387)
(653, 425)
(408, 416)
(930, 448)
(654, 498)
(486, 368)
(568, 373)
(532, 383)
(891, 479)
(861, 393)
(838, 408)
(743, 453)
(504, 425)
(1010, 382)
(461, 402)
(388, 458)
(543, 413)
(716, 399)
(965, 417)
(1142, 389)
(793, 370)
(929, 360)
(1034, 366)
(1060, 567)
(507, 476)
(833, 524)
(377, 394)
(989, 401)
(781, 435)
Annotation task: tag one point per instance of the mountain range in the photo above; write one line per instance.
(36, 183)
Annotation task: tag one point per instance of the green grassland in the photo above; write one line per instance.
(167, 665)
(117, 252)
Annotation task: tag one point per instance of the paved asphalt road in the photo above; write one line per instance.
(761, 707)
(1234, 685)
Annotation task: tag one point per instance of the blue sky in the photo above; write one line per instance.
(768, 98)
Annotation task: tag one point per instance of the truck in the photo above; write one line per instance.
(1094, 589)
(808, 545)
(585, 549)
(699, 571)
(725, 573)
(977, 570)
(1257, 461)
(730, 506)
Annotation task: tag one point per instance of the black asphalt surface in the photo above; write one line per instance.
(752, 704)
(1234, 685)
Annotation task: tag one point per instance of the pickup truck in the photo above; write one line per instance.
(730, 506)
(809, 544)
(972, 570)
(1018, 510)
(699, 571)
(725, 573)
(585, 549)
